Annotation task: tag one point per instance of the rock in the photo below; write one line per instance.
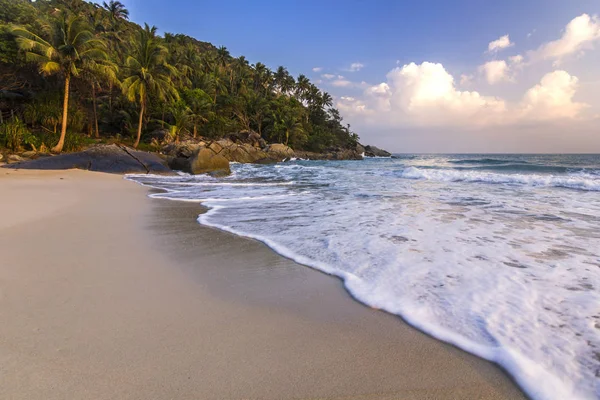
(207, 161)
(179, 163)
(159, 134)
(360, 149)
(112, 158)
(245, 137)
(280, 151)
(372, 151)
(1, 157)
(13, 158)
(29, 154)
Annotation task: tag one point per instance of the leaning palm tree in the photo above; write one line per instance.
(66, 45)
(148, 73)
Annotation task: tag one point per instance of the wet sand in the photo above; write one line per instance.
(106, 294)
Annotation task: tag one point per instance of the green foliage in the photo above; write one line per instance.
(189, 86)
(13, 134)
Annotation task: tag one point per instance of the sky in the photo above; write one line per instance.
(427, 76)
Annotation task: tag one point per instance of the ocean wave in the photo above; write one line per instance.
(575, 181)
(486, 161)
(508, 275)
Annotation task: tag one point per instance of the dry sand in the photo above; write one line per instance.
(106, 294)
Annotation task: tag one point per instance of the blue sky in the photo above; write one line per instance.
(383, 35)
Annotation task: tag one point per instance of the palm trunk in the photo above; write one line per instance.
(195, 131)
(97, 132)
(110, 90)
(63, 131)
(287, 136)
(139, 133)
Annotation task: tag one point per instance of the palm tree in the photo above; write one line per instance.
(200, 103)
(148, 73)
(183, 119)
(302, 87)
(95, 73)
(69, 47)
(116, 9)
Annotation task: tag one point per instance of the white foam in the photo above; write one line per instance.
(574, 181)
(510, 276)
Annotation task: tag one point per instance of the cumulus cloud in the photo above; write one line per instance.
(355, 67)
(327, 76)
(579, 35)
(466, 80)
(317, 69)
(516, 60)
(501, 43)
(495, 72)
(552, 98)
(425, 95)
(342, 83)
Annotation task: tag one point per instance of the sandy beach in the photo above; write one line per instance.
(107, 294)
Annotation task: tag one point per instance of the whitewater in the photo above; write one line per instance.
(496, 254)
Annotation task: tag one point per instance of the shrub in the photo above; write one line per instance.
(14, 133)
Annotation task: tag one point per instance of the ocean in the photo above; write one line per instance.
(496, 254)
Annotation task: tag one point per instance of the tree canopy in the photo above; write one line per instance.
(119, 78)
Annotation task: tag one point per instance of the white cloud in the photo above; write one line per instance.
(579, 35)
(327, 76)
(516, 60)
(552, 98)
(317, 69)
(425, 95)
(466, 80)
(355, 67)
(496, 72)
(342, 83)
(499, 44)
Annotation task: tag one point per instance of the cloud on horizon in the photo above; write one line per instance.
(426, 95)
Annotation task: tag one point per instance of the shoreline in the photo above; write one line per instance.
(195, 313)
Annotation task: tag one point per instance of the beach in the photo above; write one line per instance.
(108, 294)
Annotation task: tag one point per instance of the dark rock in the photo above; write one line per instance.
(179, 163)
(159, 134)
(372, 151)
(102, 158)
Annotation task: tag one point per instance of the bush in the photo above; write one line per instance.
(14, 133)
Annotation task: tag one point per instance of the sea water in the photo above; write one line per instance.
(496, 254)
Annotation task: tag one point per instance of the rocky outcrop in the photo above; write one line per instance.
(280, 151)
(372, 151)
(244, 148)
(334, 153)
(207, 161)
(112, 158)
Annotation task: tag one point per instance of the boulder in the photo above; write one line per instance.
(29, 154)
(112, 158)
(1, 157)
(245, 137)
(13, 158)
(280, 151)
(372, 151)
(207, 161)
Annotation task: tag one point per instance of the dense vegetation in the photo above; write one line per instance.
(73, 71)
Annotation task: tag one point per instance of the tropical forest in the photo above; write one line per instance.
(75, 73)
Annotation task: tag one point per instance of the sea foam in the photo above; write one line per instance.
(505, 266)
